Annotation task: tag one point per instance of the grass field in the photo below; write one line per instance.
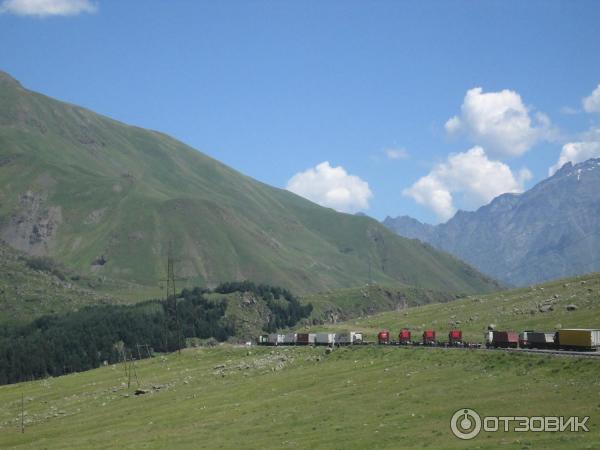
(542, 307)
(26, 294)
(354, 398)
(342, 304)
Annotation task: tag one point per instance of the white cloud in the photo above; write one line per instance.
(43, 8)
(592, 103)
(500, 122)
(470, 175)
(453, 125)
(332, 187)
(576, 152)
(431, 192)
(569, 110)
(396, 153)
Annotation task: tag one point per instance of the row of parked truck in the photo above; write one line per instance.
(455, 338)
(564, 339)
(345, 338)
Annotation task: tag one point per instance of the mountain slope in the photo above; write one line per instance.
(344, 304)
(565, 303)
(28, 290)
(107, 198)
(548, 232)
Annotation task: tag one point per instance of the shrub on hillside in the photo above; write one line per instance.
(46, 264)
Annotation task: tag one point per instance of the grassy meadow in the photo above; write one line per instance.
(542, 307)
(353, 398)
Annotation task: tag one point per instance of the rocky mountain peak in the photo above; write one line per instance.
(547, 232)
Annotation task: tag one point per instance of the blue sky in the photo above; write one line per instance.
(277, 89)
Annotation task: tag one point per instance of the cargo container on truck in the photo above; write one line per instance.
(502, 339)
(305, 339)
(351, 337)
(536, 339)
(276, 339)
(578, 339)
(324, 338)
(290, 339)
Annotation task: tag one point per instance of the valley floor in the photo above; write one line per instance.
(353, 398)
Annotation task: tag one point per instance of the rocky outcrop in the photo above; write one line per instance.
(34, 226)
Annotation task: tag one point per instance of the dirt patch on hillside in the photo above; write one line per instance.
(95, 216)
(33, 227)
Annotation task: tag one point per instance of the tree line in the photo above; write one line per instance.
(81, 340)
(286, 310)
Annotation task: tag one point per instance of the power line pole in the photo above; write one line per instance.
(171, 301)
(129, 368)
(137, 381)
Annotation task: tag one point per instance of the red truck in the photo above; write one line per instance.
(404, 337)
(383, 337)
(502, 339)
(455, 338)
(429, 337)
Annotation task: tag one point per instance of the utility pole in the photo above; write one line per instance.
(171, 301)
(137, 381)
(128, 370)
(125, 367)
(129, 363)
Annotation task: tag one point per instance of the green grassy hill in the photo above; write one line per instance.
(353, 398)
(28, 291)
(32, 286)
(303, 398)
(106, 199)
(342, 304)
(542, 307)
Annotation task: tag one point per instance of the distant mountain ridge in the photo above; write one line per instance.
(107, 199)
(547, 232)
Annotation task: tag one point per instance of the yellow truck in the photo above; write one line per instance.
(578, 339)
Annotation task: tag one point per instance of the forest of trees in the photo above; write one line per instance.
(83, 340)
(286, 310)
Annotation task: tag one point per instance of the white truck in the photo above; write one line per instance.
(290, 339)
(325, 338)
(276, 339)
(351, 337)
